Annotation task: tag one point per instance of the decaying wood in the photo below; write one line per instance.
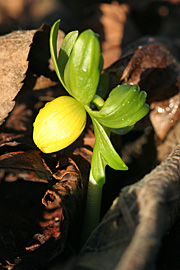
(130, 234)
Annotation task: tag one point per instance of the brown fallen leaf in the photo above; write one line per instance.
(115, 28)
(24, 55)
(164, 115)
(130, 234)
(24, 165)
(113, 19)
(170, 142)
(22, 116)
(41, 197)
(14, 49)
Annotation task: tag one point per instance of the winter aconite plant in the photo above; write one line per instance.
(79, 66)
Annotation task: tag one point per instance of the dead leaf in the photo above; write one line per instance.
(113, 19)
(114, 26)
(24, 165)
(14, 49)
(27, 106)
(24, 55)
(164, 115)
(170, 142)
(40, 198)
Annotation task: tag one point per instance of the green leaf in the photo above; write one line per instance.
(104, 154)
(124, 107)
(82, 71)
(117, 98)
(106, 148)
(53, 47)
(122, 131)
(98, 165)
(65, 50)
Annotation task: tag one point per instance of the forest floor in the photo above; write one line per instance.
(42, 196)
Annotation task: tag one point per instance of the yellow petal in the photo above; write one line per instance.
(58, 124)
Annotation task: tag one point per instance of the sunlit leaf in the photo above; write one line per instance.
(106, 148)
(98, 165)
(83, 68)
(60, 61)
(53, 47)
(65, 51)
(124, 107)
(118, 98)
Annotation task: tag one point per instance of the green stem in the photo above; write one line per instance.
(93, 208)
(98, 101)
(94, 193)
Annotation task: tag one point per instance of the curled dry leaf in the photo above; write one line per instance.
(164, 115)
(154, 68)
(41, 196)
(130, 234)
(24, 165)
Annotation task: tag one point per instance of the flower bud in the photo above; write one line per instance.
(58, 124)
(83, 68)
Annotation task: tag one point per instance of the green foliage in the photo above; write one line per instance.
(78, 67)
(123, 108)
(79, 63)
(104, 154)
(60, 61)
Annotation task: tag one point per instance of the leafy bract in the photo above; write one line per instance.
(83, 68)
(123, 108)
(104, 154)
(64, 53)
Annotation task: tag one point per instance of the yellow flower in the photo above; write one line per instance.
(58, 124)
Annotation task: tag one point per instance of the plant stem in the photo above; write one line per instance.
(98, 101)
(93, 208)
(94, 194)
